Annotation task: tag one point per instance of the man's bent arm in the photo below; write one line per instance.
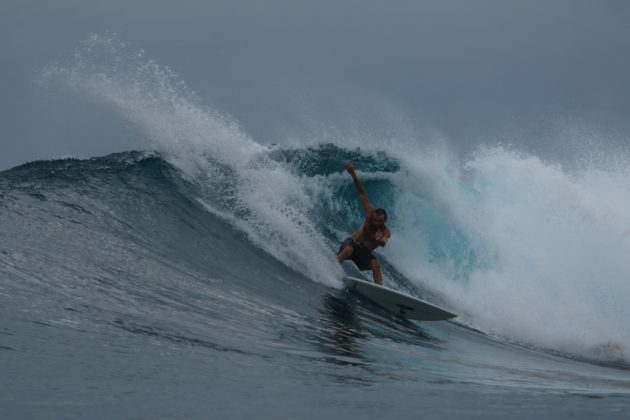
(359, 186)
(382, 236)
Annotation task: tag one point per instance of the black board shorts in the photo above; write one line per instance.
(360, 256)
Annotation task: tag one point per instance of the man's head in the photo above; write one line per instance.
(379, 217)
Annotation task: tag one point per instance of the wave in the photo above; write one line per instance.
(522, 248)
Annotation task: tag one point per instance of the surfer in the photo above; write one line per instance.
(373, 233)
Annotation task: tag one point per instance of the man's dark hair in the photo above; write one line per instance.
(381, 212)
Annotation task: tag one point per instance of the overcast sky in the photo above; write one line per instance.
(472, 71)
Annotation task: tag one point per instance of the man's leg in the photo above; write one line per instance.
(345, 253)
(375, 266)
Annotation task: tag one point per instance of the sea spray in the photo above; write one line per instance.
(536, 253)
(211, 149)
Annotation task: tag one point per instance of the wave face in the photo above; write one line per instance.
(213, 241)
(522, 247)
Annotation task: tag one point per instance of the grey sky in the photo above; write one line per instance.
(473, 71)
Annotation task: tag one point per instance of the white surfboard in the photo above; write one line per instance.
(396, 302)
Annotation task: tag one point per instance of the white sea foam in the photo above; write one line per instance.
(549, 247)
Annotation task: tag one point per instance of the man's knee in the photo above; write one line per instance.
(345, 253)
(375, 265)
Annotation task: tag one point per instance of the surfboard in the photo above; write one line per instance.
(396, 302)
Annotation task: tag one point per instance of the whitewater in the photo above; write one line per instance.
(199, 277)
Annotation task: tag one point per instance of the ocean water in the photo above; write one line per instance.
(197, 278)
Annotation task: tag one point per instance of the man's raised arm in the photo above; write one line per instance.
(359, 186)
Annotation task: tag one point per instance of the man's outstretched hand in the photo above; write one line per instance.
(349, 167)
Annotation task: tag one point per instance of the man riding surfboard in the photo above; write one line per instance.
(373, 233)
